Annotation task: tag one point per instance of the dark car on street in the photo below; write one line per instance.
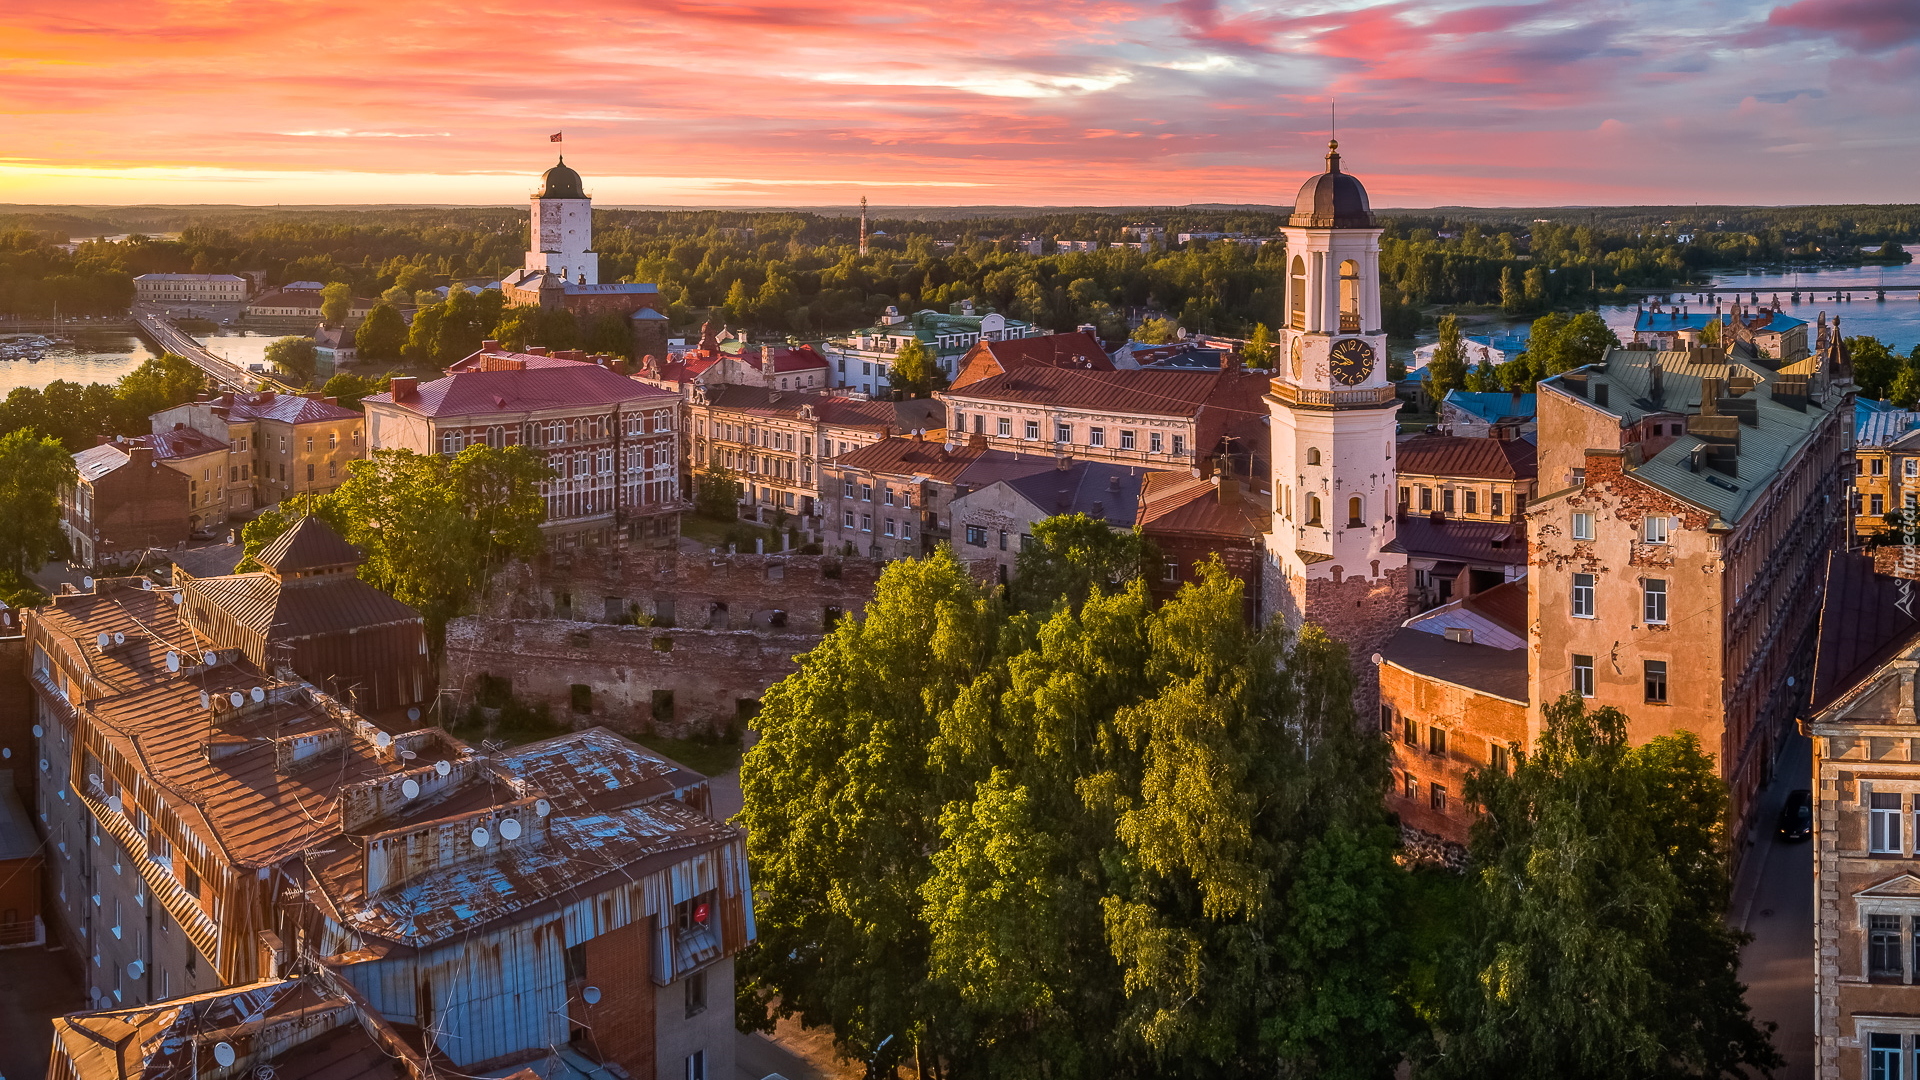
(1796, 817)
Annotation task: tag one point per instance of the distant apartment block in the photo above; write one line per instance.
(190, 288)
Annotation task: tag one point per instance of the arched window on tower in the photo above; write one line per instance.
(1313, 455)
(1297, 294)
(1355, 517)
(1350, 297)
(1313, 509)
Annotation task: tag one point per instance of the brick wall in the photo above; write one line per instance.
(1473, 722)
(708, 672)
(1360, 613)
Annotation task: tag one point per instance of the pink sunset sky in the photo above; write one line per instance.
(1107, 102)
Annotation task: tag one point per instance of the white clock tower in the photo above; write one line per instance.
(1334, 418)
(563, 228)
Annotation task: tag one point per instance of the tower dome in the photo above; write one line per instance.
(561, 182)
(1332, 199)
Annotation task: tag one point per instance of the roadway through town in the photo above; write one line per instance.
(170, 338)
(1773, 901)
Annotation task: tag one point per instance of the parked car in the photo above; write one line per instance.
(1796, 817)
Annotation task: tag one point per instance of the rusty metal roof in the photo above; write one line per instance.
(311, 544)
(282, 611)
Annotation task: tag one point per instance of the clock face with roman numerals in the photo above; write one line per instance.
(1353, 361)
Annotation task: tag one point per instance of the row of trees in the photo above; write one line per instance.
(1087, 837)
(1555, 344)
(74, 414)
(1883, 374)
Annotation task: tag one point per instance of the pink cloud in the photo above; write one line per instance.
(1862, 25)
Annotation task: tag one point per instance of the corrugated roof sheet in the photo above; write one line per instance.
(97, 461)
(1862, 626)
(336, 603)
(1490, 407)
(1098, 489)
(1881, 427)
(178, 442)
(311, 544)
(285, 408)
(1498, 542)
(1178, 502)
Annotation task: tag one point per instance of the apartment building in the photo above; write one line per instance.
(1676, 552)
(202, 459)
(190, 288)
(1886, 465)
(992, 523)
(1453, 698)
(1156, 419)
(863, 359)
(894, 499)
(208, 824)
(1866, 810)
(1461, 510)
(279, 446)
(613, 443)
(121, 505)
(775, 443)
(1079, 350)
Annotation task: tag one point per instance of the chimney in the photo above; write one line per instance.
(1228, 491)
(140, 455)
(1062, 462)
(402, 387)
(179, 427)
(331, 400)
(102, 440)
(536, 350)
(976, 441)
(1709, 397)
(490, 345)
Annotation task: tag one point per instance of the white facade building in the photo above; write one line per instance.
(190, 288)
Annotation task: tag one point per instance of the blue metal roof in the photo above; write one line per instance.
(1491, 406)
(1876, 423)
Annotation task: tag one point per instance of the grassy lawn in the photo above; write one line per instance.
(709, 756)
(712, 533)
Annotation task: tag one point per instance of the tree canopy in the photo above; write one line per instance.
(383, 335)
(336, 303)
(33, 470)
(76, 414)
(295, 357)
(913, 371)
(1105, 842)
(1447, 371)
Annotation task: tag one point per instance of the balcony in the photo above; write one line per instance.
(1288, 394)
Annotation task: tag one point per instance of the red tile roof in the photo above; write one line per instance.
(1159, 393)
(1460, 455)
(830, 409)
(535, 389)
(1078, 349)
(914, 457)
(1179, 502)
(285, 408)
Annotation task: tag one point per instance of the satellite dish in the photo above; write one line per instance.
(119, 638)
(1376, 658)
(480, 838)
(134, 969)
(591, 994)
(413, 713)
(103, 640)
(442, 768)
(86, 583)
(114, 804)
(542, 807)
(205, 701)
(179, 599)
(211, 658)
(43, 764)
(223, 1053)
(408, 755)
(258, 695)
(410, 788)
(173, 661)
(237, 699)
(5, 752)
(1789, 681)
(382, 740)
(510, 830)
(38, 731)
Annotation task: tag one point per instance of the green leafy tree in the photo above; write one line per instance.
(1596, 943)
(738, 306)
(159, 383)
(1906, 388)
(716, 493)
(397, 295)
(424, 331)
(294, 357)
(1512, 300)
(1156, 332)
(913, 371)
(1710, 332)
(1073, 555)
(33, 470)
(1876, 368)
(609, 334)
(336, 303)
(1447, 371)
(1260, 347)
(434, 527)
(383, 336)
(349, 388)
(1584, 340)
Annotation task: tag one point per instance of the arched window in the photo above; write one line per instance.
(1355, 518)
(1297, 293)
(1313, 509)
(1349, 297)
(1313, 455)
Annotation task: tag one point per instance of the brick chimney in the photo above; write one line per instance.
(402, 387)
(140, 456)
(489, 345)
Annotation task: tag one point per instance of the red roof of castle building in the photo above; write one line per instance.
(524, 390)
(1461, 455)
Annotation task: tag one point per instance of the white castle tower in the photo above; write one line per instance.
(562, 235)
(1334, 418)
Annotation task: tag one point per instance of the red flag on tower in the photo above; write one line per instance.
(555, 137)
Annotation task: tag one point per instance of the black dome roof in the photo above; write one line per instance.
(1332, 199)
(561, 182)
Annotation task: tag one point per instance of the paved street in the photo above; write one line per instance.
(1773, 901)
(36, 985)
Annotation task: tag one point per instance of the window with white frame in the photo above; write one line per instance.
(1656, 530)
(1654, 593)
(1883, 822)
(1179, 444)
(1583, 596)
(1886, 960)
(1096, 436)
(1583, 674)
(1154, 442)
(1033, 429)
(1003, 427)
(1126, 439)
(1583, 526)
(1063, 433)
(846, 519)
